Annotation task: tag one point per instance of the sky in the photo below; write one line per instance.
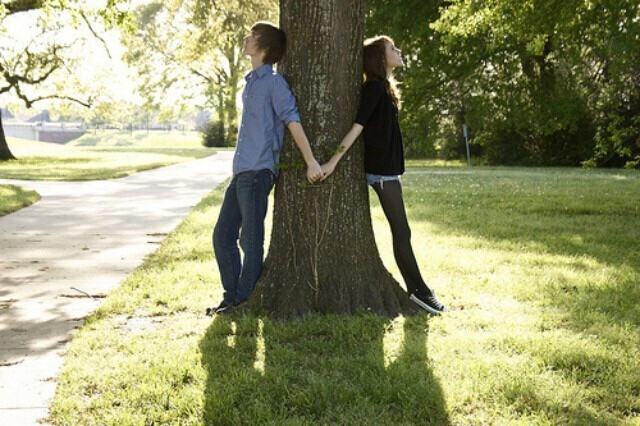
(94, 68)
(94, 64)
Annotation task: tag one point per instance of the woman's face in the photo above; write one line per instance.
(393, 56)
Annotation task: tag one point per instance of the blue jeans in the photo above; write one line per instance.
(371, 178)
(242, 217)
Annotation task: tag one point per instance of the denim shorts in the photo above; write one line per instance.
(381, 179)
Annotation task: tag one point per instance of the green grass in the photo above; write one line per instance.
(13, 198)
(541, 270)
(103, 155)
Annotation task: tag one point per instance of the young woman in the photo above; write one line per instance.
(377, 120)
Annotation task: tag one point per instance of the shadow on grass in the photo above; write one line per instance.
(319, 370)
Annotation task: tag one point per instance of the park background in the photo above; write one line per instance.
(537, 82)
(539, 264)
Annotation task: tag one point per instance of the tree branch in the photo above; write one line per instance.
(22, 96)
(95, 34)
(33, 81)
(201, 75)
(87, 103)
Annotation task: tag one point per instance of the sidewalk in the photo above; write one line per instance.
(60, 256)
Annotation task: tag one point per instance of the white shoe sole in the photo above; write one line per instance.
(424, 305)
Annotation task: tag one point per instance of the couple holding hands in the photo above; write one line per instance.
(268, 107)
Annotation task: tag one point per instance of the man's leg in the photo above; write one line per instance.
(253, 196)
(225, 242)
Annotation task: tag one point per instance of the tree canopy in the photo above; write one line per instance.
(39, 52)
(538, 81)
(194, 47)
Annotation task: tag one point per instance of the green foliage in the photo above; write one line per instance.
(57, 30)
(213, 135)
(192, 50)
(537, 81)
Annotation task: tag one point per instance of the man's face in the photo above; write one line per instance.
(250, 45)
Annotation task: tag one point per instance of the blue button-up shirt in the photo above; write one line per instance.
(268, 106)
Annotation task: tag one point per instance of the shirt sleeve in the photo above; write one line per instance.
(369, 98)
(284, 103)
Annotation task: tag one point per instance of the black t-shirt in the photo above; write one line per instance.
(382, 138)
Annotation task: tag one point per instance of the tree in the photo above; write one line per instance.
(32, 63)
(5, 152)
(323, 255)
(195, 46)
(539, 81)
(428, 86)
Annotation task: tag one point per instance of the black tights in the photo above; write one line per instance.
(390, 195)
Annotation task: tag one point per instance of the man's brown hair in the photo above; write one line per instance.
(271, 39)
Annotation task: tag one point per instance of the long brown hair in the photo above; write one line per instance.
(374, 64)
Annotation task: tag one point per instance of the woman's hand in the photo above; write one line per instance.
(347, 141)
(327, 169)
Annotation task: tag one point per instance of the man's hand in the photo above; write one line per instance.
(327, 169)
(314, 172)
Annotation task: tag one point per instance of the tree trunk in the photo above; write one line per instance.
(323, 256)
(232, 106)
(5, 152)
(222, 135)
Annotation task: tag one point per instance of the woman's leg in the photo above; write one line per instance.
(390, 195)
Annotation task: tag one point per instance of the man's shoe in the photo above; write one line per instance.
(429, 302)
(222, 307)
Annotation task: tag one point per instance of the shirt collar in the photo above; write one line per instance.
(260, 72)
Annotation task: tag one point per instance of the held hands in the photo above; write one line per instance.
(327, 169)
(314, 172)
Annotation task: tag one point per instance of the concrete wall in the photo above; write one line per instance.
(45, 132)
(19, 131)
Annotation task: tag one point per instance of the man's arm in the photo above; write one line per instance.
(314, 171)
(284, 104)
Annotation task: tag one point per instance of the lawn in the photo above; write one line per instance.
(539, 266)
(13, 198)
(102, 155)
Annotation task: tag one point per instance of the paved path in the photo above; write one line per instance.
(87, 235)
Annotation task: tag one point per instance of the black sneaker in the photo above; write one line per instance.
(429, 302)
(222, 307)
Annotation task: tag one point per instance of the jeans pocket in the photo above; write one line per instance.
(267, 179)
(272, 178)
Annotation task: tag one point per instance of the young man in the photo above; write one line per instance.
(268, 106)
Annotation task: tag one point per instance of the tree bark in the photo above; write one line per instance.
(222, 135)
(232, 106)
(323, 256)
(5, 152)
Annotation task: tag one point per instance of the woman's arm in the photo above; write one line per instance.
(346, 143)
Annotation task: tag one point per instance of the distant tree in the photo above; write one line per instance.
(539, 82)
(194, 47)
(28, 65)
